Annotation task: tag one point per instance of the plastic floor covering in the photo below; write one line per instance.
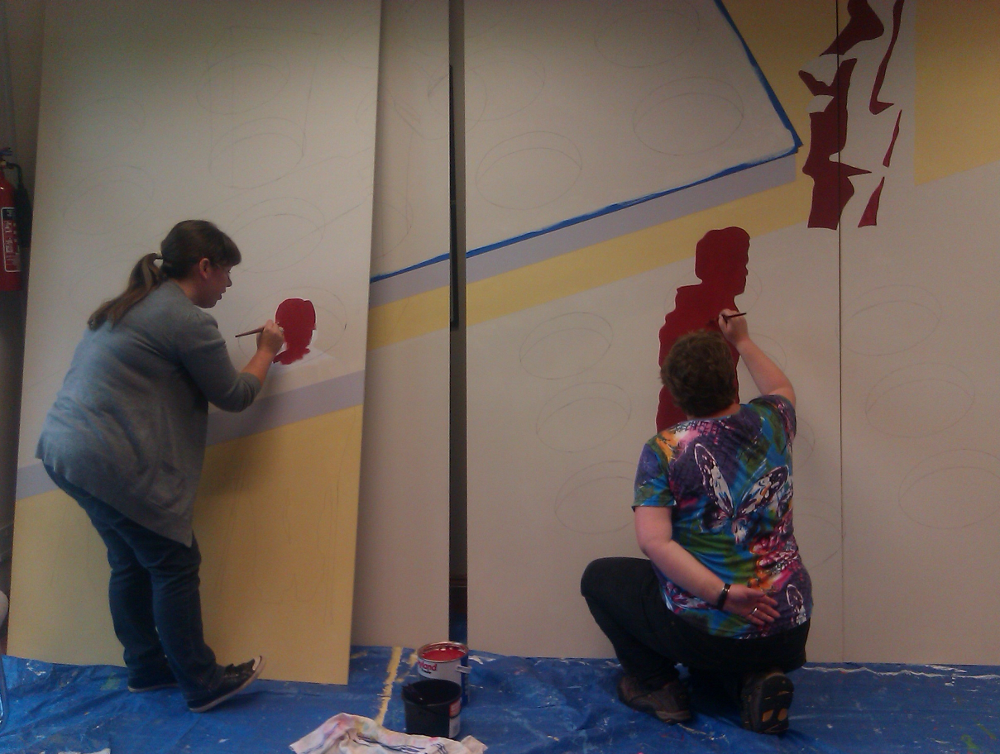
(517, 705)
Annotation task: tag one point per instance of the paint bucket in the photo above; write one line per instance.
(447, 660)
(433, 708)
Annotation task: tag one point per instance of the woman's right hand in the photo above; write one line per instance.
(734, 329)
(754, 605)
(271, 338)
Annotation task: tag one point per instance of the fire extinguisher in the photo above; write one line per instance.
(10, 264)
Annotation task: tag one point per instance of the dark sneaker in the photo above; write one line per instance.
(139, 689)
(235, 678)
(671, 703)
(765, 700)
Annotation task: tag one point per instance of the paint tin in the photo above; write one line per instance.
(447, 660)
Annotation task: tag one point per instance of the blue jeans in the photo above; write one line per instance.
(154, 600)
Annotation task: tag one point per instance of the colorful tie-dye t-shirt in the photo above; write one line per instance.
(729, 482)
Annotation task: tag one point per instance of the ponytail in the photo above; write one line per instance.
(185, 245)
(145, 276)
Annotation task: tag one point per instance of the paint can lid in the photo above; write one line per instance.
(442, 651)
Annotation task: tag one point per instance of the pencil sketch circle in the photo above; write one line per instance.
(804, 442)
(101, 129)
(360, 49)
(512, 80)
(529, 171)
(331, 318)
(646, 34)
(597, 500)
(890, 319)
(688, 117)
(109, 199)
(242, 81)
(772, 348)
(566, 345)
(256, 153)
(367, 111)
(104, 278)
(919, 400)
(583, 416)
(817, 531)
(390, 226)
(277, 233)
(952, 490)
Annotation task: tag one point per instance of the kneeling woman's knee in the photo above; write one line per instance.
(593, 576)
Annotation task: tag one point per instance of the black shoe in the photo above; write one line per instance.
(764, 701)
(671, 703)
(235, 678)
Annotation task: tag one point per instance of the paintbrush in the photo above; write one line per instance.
(261, 329)
(726, 317)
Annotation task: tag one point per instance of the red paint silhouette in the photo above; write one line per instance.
(720, 262)
(892, 144)
(875, 105)
(832, 187)
(297, 317)
(863, 26)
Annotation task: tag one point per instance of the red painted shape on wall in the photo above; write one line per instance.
(895, 135)
(864, 25)
(297, 317)
(832, 187)
(870, 217)
(720, 262)
(874, 105)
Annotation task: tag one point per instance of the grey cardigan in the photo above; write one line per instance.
(129, 424)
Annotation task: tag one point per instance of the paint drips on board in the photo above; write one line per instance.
(297, 317)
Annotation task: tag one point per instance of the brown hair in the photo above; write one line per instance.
(187, 243)
(700, 374)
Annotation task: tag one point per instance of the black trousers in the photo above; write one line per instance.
(624, 597)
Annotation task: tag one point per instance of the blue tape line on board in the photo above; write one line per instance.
(760, 76)
(772, 97)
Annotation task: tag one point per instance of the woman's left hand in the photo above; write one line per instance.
(754, 605)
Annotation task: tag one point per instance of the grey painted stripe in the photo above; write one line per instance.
(286, 408)
(32, 480)
(631, 219)
(410, 283)
(588, 232)
(266, 413)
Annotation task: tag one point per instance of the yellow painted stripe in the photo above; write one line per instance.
(390, 680)
(408, 318)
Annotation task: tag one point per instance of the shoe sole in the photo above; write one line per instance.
(158, 687)
(774, 699)
(216, 702)
(670, 718)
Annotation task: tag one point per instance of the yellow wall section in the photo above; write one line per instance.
(783, 37)
(958, 69)
(275, 520)
(408, 318)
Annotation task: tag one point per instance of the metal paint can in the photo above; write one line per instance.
(447, 660)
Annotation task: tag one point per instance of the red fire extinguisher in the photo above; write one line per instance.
(10, 264)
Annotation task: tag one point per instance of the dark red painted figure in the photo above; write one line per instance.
(720, 262)
(297, 317)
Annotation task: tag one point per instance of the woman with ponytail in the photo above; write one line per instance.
(126, 440)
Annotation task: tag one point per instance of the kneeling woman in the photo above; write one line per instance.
(724, 590)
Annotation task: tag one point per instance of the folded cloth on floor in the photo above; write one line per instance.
(353, 734)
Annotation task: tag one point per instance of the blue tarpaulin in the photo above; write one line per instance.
(517, 705)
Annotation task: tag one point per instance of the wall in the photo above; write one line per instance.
(890, 576)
